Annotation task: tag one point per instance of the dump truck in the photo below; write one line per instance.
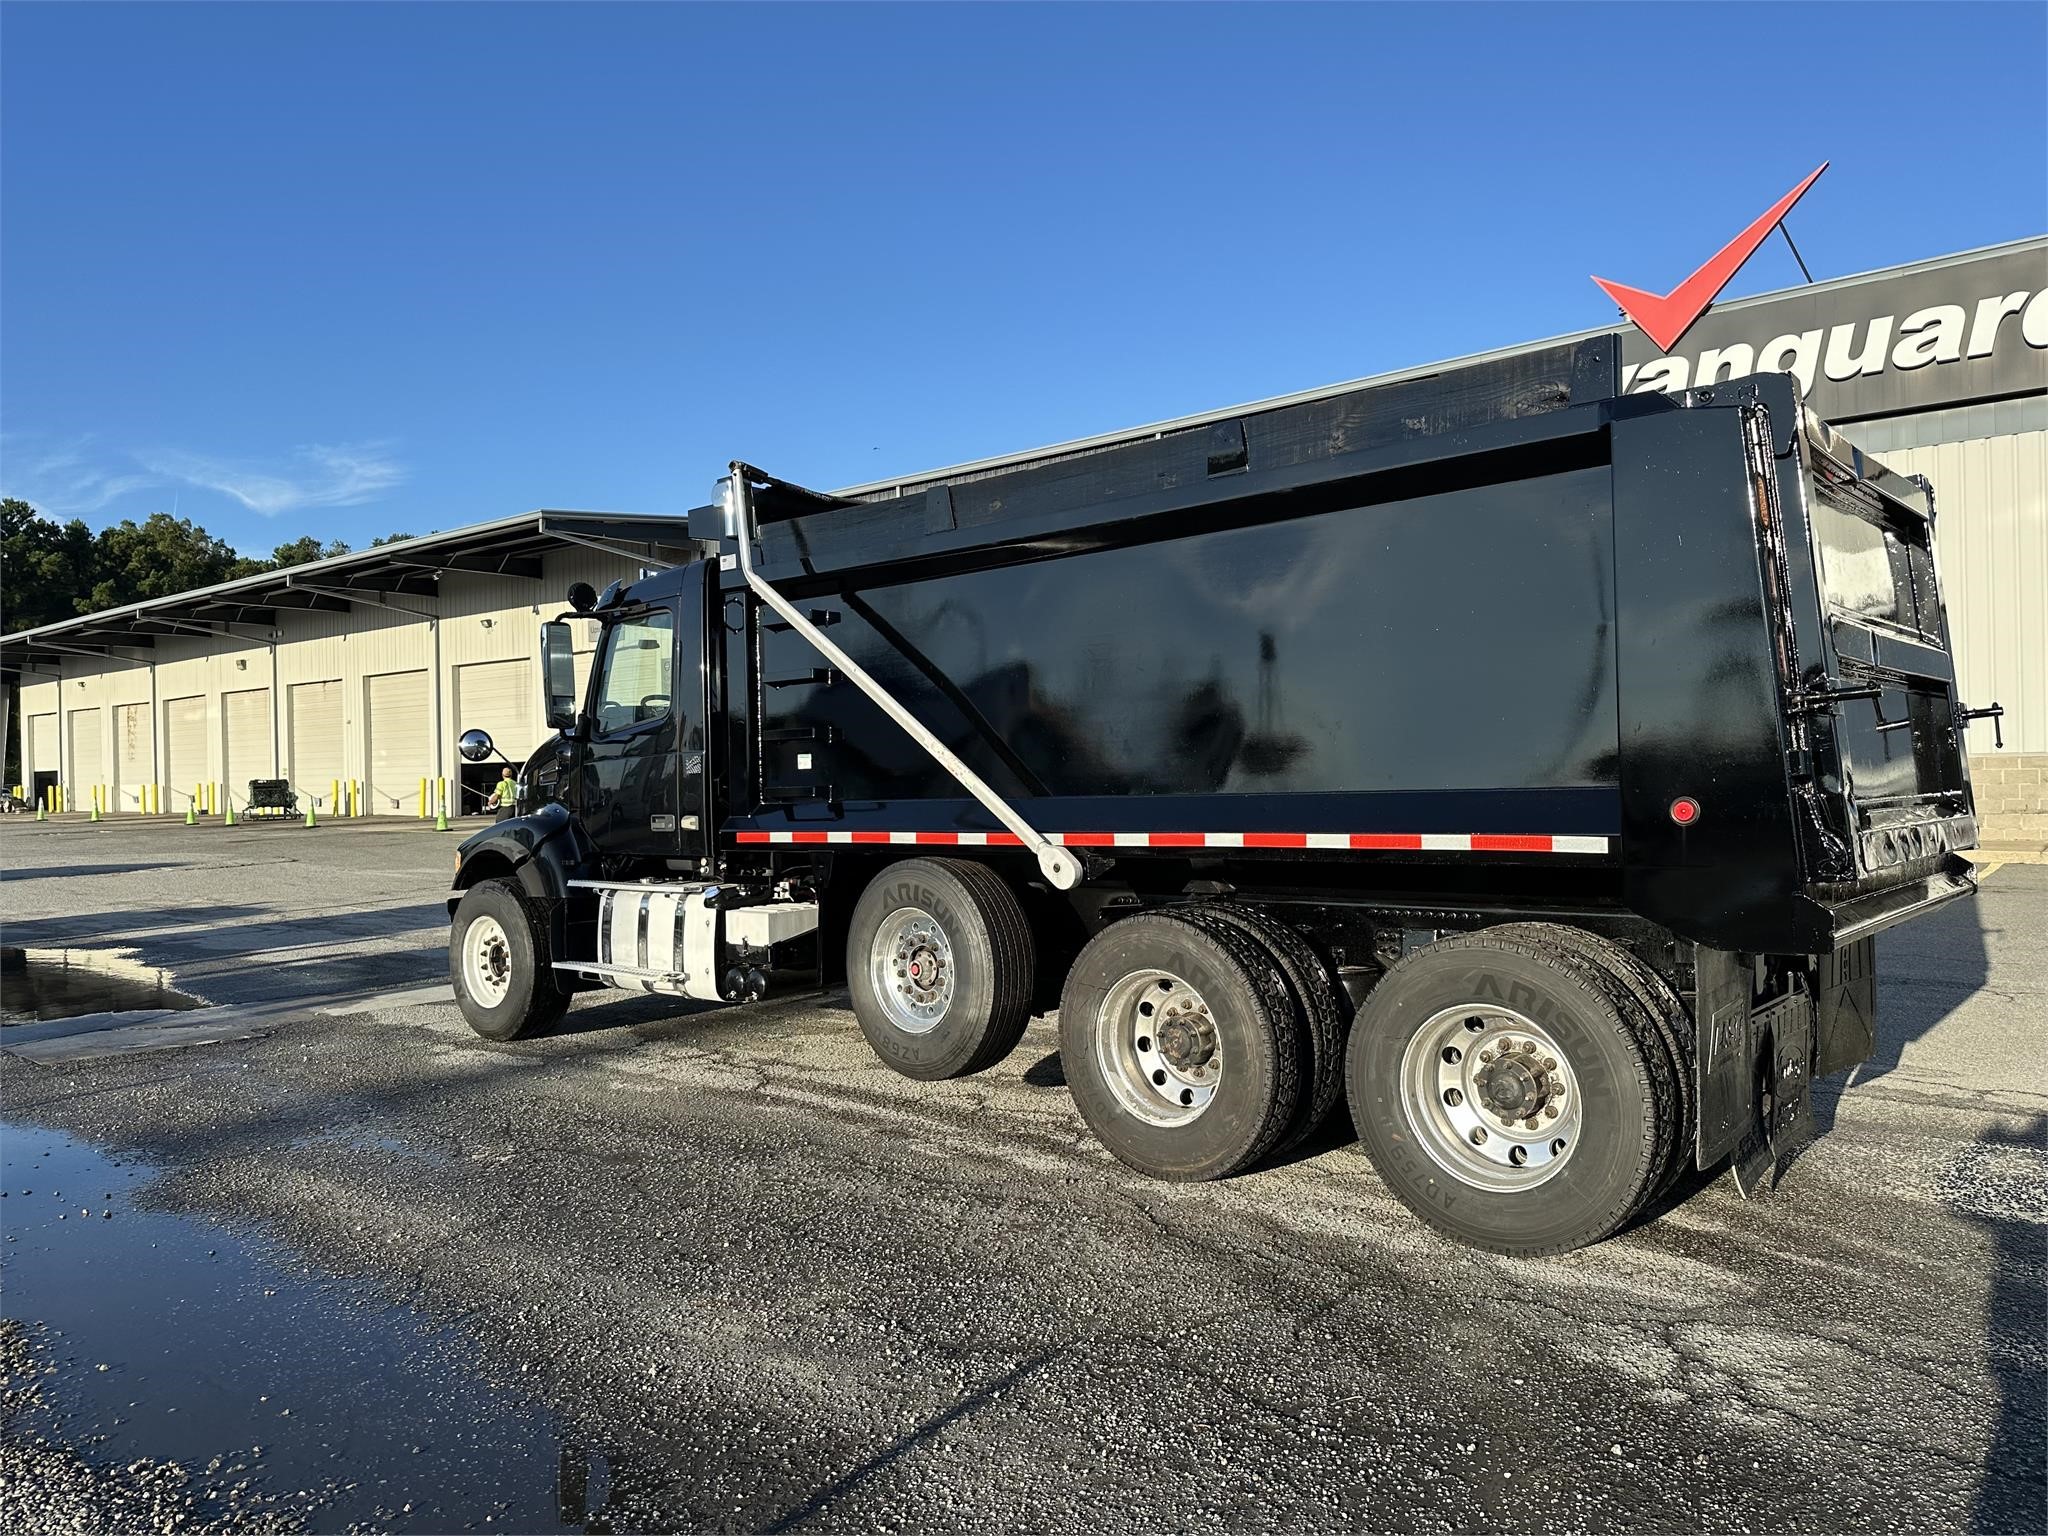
(1527, 764)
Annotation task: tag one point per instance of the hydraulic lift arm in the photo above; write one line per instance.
(1059, 865)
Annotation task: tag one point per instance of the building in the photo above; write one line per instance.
(365, 668)
(357, 672)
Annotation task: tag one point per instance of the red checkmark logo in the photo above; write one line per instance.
(1666, 317)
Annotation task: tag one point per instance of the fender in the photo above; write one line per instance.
(543, 852)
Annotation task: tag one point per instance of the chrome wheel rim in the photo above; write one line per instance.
(1157, 1047)
(1491, 1098)
(910, 965)
(487, 961)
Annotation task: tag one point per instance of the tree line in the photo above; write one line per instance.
(50, 571)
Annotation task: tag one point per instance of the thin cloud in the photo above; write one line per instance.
(69, 479)
(318, 475)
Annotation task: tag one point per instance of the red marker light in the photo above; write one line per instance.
(1685, 810)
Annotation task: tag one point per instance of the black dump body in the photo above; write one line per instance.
(1462, 641)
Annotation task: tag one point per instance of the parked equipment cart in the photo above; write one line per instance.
(274, 796)
(1529, 762)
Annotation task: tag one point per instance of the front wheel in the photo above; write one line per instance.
(498, 959)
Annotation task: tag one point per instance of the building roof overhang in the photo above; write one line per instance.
(394, 576)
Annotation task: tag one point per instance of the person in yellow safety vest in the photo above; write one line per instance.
(504, 797)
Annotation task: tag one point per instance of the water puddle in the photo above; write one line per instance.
(281, 1396)
(39, 984)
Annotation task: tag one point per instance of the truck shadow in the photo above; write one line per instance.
(1926, 971)
(2004, 1190)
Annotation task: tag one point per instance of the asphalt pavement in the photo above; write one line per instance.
(684, 1268)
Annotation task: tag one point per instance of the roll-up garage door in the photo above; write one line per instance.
(132, 765)
(497, 696)
(42, 743)
(245, 726)
(400, 747)
(184, 749)
(88, 763)
(313, 729)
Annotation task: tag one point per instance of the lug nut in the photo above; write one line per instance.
(1550, 1063)
(1486, 1055)
(1528, 1047)
(1549, 1113)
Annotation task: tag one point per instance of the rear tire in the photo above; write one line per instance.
(1471, 1027)
(1319, 1015)
(939, 961)
(1180, 1042)
(1659, 1009)
(499, 960)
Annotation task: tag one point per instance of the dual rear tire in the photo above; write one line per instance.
(1525, 1089)
(1194, 1042)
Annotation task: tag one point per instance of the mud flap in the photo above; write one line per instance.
(1755, 1070)
(1845, 1008)
(1782, 1035)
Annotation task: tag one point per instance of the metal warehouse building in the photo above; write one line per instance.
(366, 668)
(360, 669)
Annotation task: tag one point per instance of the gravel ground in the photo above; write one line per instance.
(780, 1287)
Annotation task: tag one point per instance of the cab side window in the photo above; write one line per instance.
(639, 663)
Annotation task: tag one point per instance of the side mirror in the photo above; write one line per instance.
(475, 746)
(558, 675)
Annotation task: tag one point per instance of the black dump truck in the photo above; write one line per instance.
(1529, 763)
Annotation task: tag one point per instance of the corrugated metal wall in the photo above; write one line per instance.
(188, 685)
(1991, 537)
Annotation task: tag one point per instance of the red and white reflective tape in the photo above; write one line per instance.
(1417, 842)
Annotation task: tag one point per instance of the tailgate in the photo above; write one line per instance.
(1891, 689)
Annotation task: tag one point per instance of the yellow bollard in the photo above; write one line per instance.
(423, 799)
(334, 799)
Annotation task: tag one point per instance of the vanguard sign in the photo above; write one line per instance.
(1974, 328)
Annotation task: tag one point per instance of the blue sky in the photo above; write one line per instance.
(345, 269)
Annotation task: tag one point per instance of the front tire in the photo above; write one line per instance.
(499, 960)
(940, 963)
